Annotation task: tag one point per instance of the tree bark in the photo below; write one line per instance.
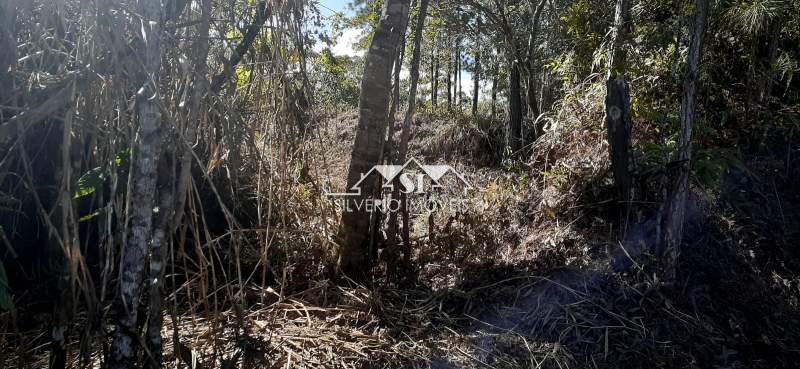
(158, 255)
(201, 88)
(435, 76)
(449, 83)
(459, 78)
(675, 210)
(618, 105)
(409, 118)
(457, 75)
(476, 78)
(495, 72)
(143, 179)
(392, 117)
(354, 259)
(533, 106)
(514, 131)
(389, 255)
(8, 43)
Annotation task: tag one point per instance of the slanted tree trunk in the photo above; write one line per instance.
(618, 105)
(249, 37)
(124, 347)
(676, 207)
(354, 258)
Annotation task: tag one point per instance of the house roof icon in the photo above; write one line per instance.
(390, 172)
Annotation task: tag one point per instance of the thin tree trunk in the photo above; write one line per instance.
(533, 106)
(514, 131)
(457, 76)
(675, 212)
(354, 259)
(8, 43)
(495, 72)
(392, 117)
(158, 254)
(435, 76)
(449, 83)
(241, 49)
(143, 179)
(172, 200)
(195, 115)
(476, 78)
(409, 118)
(391, 256)
(618, 106)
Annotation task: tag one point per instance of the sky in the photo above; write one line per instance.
(345, 44)
(335, 5)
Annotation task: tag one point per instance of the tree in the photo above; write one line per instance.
(354, 259)
(123, 352)
(434, 75)
(8, 42)
(409, 118)
(501, 20)
(533, 106)
(618, 105)
(476, 75)
(676, 205)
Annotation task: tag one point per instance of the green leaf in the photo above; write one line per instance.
(90, 182)
(103, 216)
(122, 158)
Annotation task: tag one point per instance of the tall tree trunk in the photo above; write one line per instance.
(495, 72)
(449, 83)
(143, 181)
(457, 75)
(201, 88)
(675, 211)
(173, 184)
(514, 131)
(618, 105)
(8, 43)
(476, 77)
(409, 118)
(435, 76)
(162, 228)
(391, 256)
(533, 106)
(354, 259)
(392, 117)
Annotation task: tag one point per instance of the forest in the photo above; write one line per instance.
(432, 184)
